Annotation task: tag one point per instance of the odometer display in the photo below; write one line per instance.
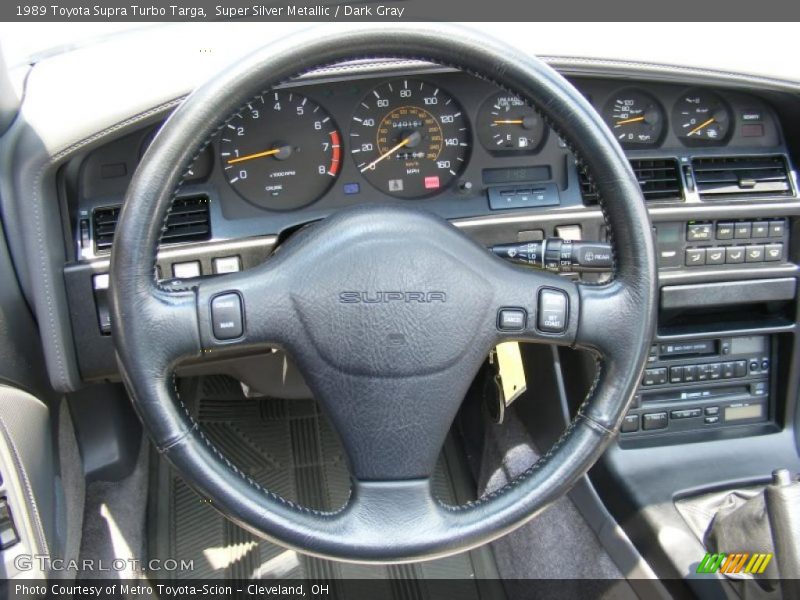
(409, 138)
(282, 151)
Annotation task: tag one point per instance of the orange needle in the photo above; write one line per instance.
(631, 120)
(509, 122)
(699, 127)
(239, 159)
(387, 153)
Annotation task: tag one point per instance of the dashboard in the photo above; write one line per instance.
(445, 140)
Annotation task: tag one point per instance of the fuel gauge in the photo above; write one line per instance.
(508, 124)
(636, 118)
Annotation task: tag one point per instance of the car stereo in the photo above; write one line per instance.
(701, 384)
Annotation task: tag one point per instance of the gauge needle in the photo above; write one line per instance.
(389, 152)
(508, 122)
(699, 127)
(239, 159)
(631, 120)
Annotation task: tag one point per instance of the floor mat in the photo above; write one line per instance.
(289, 448)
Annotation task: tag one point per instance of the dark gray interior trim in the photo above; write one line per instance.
(727, 293)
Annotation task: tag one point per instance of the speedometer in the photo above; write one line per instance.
(409, 138)
(282, 151)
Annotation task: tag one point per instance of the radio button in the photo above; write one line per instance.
(728, 370)
(655, 376)
(740, 368)
(711, 420)
(689, 373)
(675, 374)
(686, 413)
(714, 371)
(630, 423)
(652, 421)
(712, 410)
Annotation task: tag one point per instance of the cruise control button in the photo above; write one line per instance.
(654, 421)
(511, 319)
(715, 256)
(754, 254)
(699, 232)
(553, 311)
(186, 270)
(695, 257)
(773, 252)
(227, 264)
(226, 316)
(734, 254)
(724, 231)
(742, 231)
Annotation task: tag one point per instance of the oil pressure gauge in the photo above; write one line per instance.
(635, 118)
(508, 124)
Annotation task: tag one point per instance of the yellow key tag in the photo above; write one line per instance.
(510, 371)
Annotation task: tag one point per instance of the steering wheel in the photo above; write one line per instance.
(391, 375)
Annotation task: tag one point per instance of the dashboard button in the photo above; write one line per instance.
(630, 423)
(695, 257)
(773, 252)
(734, 254)
(511, 319)
(226, 316)
(740, 368)
(689, 373)
(724, 231)
(715, 256)
(698, 232)
(186, 270)
(675, 374)
(742, 231)
(553, 310)
(728, 370)
(227, 264)
(776, 228)
(654, 421)
(712, 410)
(760, 229)
(686, 413)
(711, 420)
(754, 254)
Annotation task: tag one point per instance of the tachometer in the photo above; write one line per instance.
(635, 118)
(409, 138)
(701, 118)
(282, 151)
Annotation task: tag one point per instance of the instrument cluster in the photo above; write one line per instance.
(413, 137)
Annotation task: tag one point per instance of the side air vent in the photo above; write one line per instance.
(188, 222)
(729, 176)
(659, 179)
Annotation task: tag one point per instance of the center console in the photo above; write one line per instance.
(697, 385)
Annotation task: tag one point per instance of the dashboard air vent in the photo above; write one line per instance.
(741, 175)
(659, 179)
(188, 222)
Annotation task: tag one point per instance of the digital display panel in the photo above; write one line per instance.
(743, 411)
(754, 344)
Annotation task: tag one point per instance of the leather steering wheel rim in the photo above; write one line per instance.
(392, 407)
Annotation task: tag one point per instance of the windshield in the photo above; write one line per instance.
(27, 42)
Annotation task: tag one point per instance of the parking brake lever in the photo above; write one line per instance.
(557, 255)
